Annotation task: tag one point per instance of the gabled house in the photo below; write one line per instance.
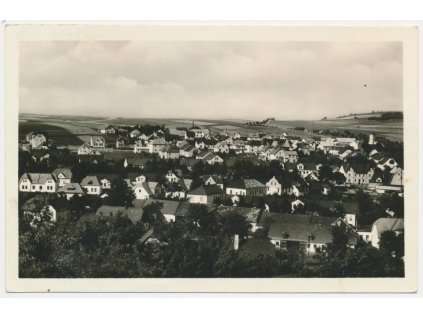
(97, 142)
(206, 194)
(63, 175)
(253, 146)
(171, 177)
(92, 185)
(213, 180)
(142, 190)
(169, 152)
(135, 133)
(357, 173)
(246, 187)
(273, 186)
(307, 168)
(107, 129)
(155, 145)
(85, 149)
(38, 182)
(187, 151)
(303, 233)
(212, 158)
(71, 189)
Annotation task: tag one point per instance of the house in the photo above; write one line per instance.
(288, 156)
(141, 146)
(212, 158)
(63, 175)
(171, 177)
(187, 151)
(303, 233)
(135, 133)
(206, 194)
(120, 142)
(381, 225)
(168, 210)
(38, 182)
(350, 210)
(155, 145)
(137, 162)
(97, 142)
(253, 146)
(246, 187)
(387, 163)
(91, 185)
(106, 180)
(142, 190)
(174, 190)
(213, 180)
(273, 186)
(357, 173)
(307, 168)
(169, 152)
(365, 233)
(71, 189)
(107, 129)
(134, 214)
(85, 149)
(221, 147)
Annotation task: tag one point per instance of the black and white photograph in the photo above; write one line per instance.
(231, 157)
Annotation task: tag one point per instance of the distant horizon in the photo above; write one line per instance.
(204, 119)
(210, 79)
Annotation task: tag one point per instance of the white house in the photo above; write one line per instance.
(357, 173)
(91, 185)
(107, 129)
(212, 159)
(171, 177)
(135, 133)
(38, 182)
(63, 175)
(98, 142)
(250, 187)
(205, 194)
(142, 190)
(85, 149)
(273, 186)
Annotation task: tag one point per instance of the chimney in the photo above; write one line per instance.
(236, 242)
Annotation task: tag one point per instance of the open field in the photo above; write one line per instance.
(59, 135)
(82, 127)
(392, 130)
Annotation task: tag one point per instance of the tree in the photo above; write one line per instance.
(325, 173)
(120, 194)
(234, 223)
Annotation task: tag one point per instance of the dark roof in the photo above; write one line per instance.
(245, 184)
(133, 213)
(65, 171)
(69, 188)
(207, 190)
(303, 228)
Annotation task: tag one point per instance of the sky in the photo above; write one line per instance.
(210, 80)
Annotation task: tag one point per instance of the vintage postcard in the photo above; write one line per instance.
(211, 158)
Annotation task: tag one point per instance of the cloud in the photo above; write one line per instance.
(251, 80)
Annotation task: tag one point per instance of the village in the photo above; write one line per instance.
(290, 190)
